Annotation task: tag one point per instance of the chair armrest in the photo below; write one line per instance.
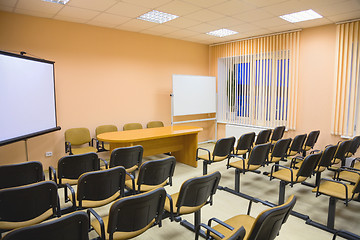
(347, 169)
(132, 181)
(293, 161)
(209, 229)
(171, 207)
(105, 162)
(204, 149)
(353, 161)
(99, 219)
(92, 142)
(52, 172)
(72, 191)
(281, 166)
(220, 222)
(68, 147)
(335, 181)
(236, 156)
(315, 151)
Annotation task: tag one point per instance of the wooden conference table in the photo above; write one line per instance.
(181, 141)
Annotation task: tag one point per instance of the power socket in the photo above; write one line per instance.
(48, 154)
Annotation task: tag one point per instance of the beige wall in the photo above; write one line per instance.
(103, 76)
(316, 84)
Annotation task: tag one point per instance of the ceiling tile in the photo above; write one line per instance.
(226, 22)
(182, 33)
(338, 8)
(313, 23)
(136, 25)
(92, 4)
(108, 20)
(178, 8)
(287, 7)
(182, 22)
(6, 8)
(8, 3)
(39, 6)
(264, 3)
(76, 13)
(205, 3)
(148, 3)
(270, 22)
(204, 15)
(345, 16)
(283, 28)
(203, 28)
(34, 13)
(161, 28)
(127, 10)
(232, 7)
(253, 15)
(246, 27)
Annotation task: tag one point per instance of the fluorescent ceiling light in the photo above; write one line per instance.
(157, 17)
(222, 32)
(301, 16)
(57, 1)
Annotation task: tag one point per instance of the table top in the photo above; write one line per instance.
(147, 134)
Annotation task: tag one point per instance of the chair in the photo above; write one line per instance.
(337, 190)
(222, 150)
(193, 195)
(132, 126)
(257, 158)
(263, 136)
(277, 134)
(296, 145)
(75, 137)
(28, 204)
(355, 143)
(128, 157)
(19, 174)
(291, 176)
(154, 124)
(71, 167)
(266, 226)
(100, 145)
(98, 188)
(310, 141)
(152, 174)
(278, 152)
(130, 216)
(74, 226)
(340, 155)
(244, 144)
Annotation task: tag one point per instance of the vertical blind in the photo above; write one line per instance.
(346, 114)
(257, 80)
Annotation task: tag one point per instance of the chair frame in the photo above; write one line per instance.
(263, 136)
(310, 141)
(245, 142)
(128, 157)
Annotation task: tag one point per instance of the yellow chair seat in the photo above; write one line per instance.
(118, 235)
(349, 176)
(93, 204)
(38, 219)
(336, 190)
(69, 181)
(274, 159)
(241, 220)
(183, 210)
(240, 152)
(216, 159)
(336, 161)
(240, 165)
(357, 165)
(285, 175)
(144, 187)
(307, 148)
(83, 150)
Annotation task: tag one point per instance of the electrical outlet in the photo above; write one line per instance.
(48, 154)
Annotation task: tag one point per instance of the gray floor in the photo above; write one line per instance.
(227, 205)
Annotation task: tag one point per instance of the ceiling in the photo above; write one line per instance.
(196, 17)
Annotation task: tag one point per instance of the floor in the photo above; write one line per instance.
(227, 205)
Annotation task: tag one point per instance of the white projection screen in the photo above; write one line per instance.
(27, 97)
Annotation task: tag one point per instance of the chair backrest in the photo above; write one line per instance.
(297, 143)
(105, 128)
(268, 223)
(280, 148)
(278, 133)
(132, 126)
(19, 174)
(312, 139)
(355, 143)
(308, 165)
(342, 150)
(263, 136)
(74, 226)
(327, 155)
(77, 136)
(72, 166)
(135, 212)
(101, 185)
(198, 190)
(128, 157)
(24, 203)
(155, 172)
(154, 124)
(224, 146)
(259, 154)
(245, 141)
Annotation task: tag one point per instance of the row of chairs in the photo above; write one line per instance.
(76, 137)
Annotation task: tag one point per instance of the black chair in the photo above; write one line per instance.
(279, 151)
(263, 136)
(340, 154)
(152, 174)
(98, 188)
(288, 175)
(266, 226)
(130, 216)
(277, 134)
(128, 157)
(296, 145)
(222, 150)
(310, 141)
(354, 146)
(244, 144)
(74, 226)
(193, 195)
(19, 174)
(257, 159)
(28, 204)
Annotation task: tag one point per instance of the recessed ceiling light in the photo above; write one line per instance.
(222, 32)
(301, 16)
(57, 1)
(157, 17)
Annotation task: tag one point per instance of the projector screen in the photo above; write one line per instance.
(27, 97)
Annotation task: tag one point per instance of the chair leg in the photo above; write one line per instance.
(331, 212)
(237, 180)
(197, 218)
(317, 179)
(282, 192)
(204, 167)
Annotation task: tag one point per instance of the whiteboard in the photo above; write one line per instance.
(193, 95)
